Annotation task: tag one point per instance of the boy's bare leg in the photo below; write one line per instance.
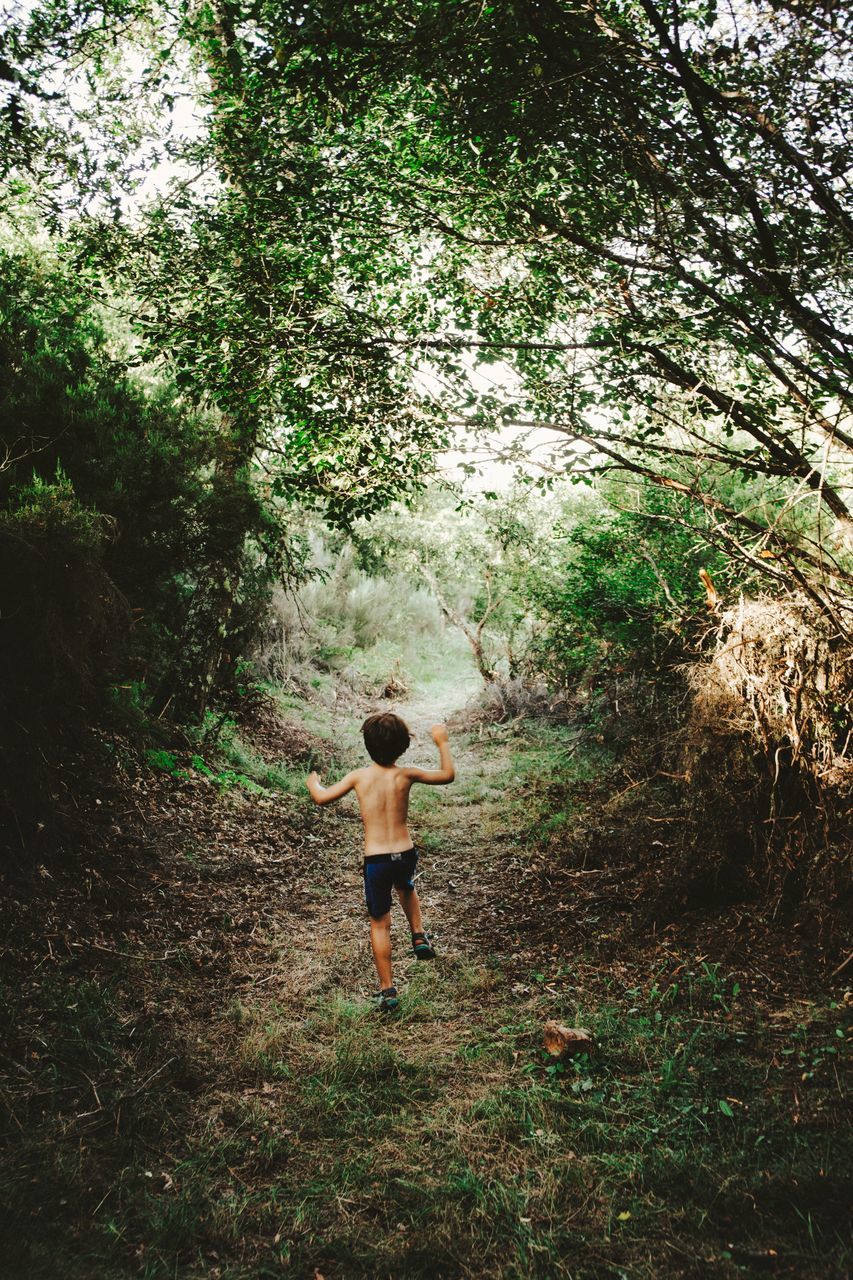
(411, 904)
(380, 941)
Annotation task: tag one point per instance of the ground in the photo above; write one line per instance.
(197, 1086)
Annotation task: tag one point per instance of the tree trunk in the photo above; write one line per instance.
(474, 635)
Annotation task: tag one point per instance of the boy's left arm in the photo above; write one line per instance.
(325, 795)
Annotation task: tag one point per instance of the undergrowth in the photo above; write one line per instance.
(698, 1138)
(223, 1102)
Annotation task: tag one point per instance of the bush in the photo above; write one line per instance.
(766, 747)
(623, 588)
(341, 619)
(132, 450)
(63, 624)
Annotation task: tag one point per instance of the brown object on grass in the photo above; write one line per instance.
(565, 1041)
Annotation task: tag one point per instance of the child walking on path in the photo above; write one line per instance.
(389, 855)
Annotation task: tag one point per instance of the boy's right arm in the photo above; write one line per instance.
(446, 772)
(324, 795)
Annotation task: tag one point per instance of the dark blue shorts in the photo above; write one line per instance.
(384, 872)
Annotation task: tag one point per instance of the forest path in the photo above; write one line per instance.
(205, 1092)
(444, 1142)
(468, 861)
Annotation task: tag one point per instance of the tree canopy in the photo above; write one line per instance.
(350, 231)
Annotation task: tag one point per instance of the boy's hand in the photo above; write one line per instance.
(446, 771)
(325, 795)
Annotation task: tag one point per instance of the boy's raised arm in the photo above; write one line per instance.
(324, 795)
(445, 772)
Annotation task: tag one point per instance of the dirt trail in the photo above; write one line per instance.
(199, 1088)
(465, 845)
(485, 890)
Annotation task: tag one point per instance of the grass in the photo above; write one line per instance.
(490, 1141)
(229, 760)
(700, 1135)
(447, 1142)
(454, 678)
(546, 765)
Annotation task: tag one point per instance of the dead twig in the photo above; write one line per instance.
(146, 1083)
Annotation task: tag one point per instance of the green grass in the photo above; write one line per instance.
(433, 667)
(447, 1141)
(547, 765)
(229, 760)
(704, 1129)
(489, 1141)
(248, 764)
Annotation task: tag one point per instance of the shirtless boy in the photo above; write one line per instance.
(389, 857)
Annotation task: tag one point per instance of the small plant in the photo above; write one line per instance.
(165, 761)
(721, 994)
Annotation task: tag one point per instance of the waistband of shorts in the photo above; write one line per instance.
(386, 857)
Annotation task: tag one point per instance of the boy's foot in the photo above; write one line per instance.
(422, 947)
(386, 1000)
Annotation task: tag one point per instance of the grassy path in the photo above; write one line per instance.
(211, 1096)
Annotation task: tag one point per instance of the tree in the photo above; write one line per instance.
(641, 207)
(238, 283)
(637, 206)
(479, 558)
(101, 517)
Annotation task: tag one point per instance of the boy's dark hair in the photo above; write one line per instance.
(386, 737)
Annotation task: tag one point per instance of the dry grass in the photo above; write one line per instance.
(767, 748)
(782, 676)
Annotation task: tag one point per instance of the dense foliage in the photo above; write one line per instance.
(287, 254)
(638, 210)
(102, 515)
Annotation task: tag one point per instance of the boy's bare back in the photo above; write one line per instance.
(383, 796)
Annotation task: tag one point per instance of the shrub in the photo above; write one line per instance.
(62, 622)
(766, 746)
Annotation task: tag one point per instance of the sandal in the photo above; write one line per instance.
(386, 1000)
(422, 947)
